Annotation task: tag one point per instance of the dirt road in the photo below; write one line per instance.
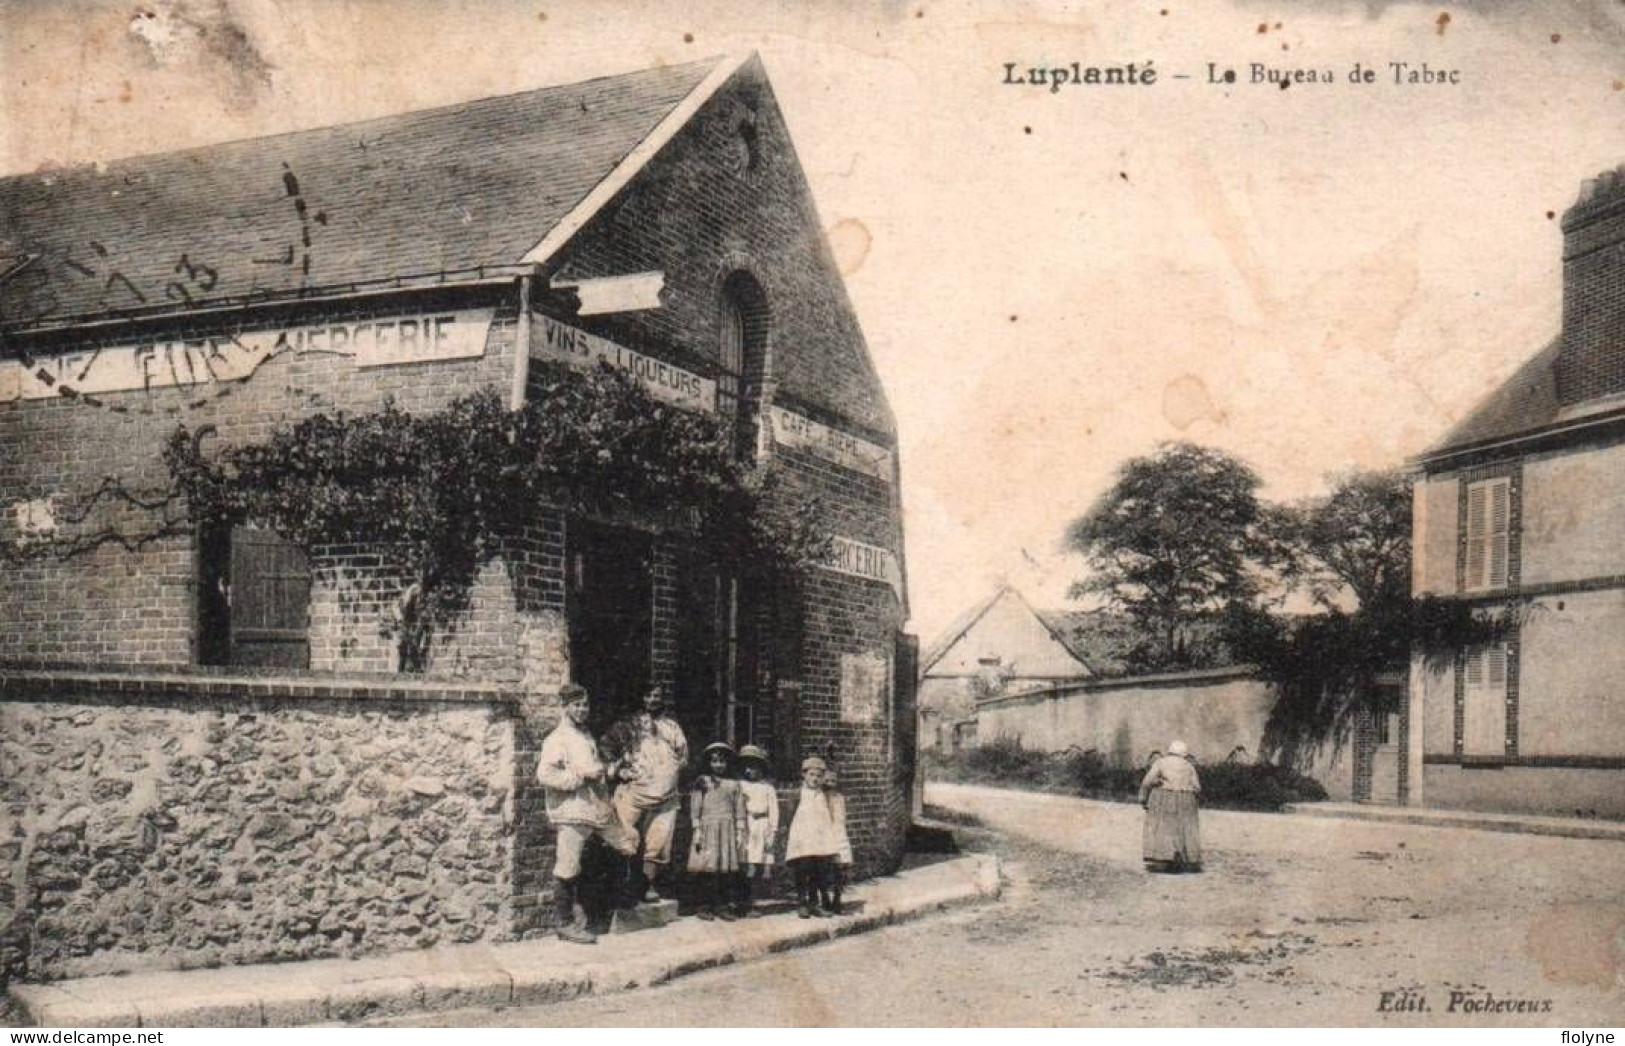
(1297, 921)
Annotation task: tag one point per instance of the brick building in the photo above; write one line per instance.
(657, 221)
(1522, 507)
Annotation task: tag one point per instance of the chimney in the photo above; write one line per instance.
(1591, 362)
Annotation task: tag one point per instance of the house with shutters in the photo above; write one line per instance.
(1520, 509)
(235, 703)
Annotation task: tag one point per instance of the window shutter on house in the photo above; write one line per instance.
(1500, 520)
(1489, 528)
(1476, 511)
(1485, 693)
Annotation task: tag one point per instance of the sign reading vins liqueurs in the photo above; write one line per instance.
(565, 344)
(854, 452)
(184, 363)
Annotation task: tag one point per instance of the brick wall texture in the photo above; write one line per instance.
(1591, 362)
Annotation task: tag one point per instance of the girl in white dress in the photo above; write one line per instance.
(762, 823)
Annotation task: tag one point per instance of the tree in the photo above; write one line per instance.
(1354, 543)
(1178, 537)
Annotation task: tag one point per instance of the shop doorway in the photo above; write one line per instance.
(723, 671)
(610, 605)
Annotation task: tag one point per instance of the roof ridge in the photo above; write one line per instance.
(99, 166)
(643, 151)
(960, 625)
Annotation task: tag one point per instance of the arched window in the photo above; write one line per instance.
(745, 329)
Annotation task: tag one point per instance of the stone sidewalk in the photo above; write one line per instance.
(520, 974)
(1521, 824)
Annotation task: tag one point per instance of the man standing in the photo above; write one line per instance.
(653, 752)
(571, 771)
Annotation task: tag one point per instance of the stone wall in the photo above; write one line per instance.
(180, 822)
(1127, 719)
(1214, 711)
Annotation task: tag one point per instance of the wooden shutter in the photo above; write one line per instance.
(1489, 530)
(1477, 517)
(270, 600)
(1500, 513)
(1484, 698)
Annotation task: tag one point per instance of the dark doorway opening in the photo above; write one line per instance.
(610, 605)
(724, 674)
(253, 602)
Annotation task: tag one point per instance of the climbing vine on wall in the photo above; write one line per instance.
(436, 494)
(60, 527)
(1325, 666)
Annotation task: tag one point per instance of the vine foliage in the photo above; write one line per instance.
(435, 495)
(1326, 666)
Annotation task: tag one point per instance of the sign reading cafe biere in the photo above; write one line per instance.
(797, 431)
(184, 363)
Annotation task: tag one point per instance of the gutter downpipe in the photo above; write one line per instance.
(521, 366)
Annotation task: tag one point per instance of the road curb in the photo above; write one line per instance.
(1564, 828)
(520, 974)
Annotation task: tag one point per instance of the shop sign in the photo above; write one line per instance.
(856, 559)
(561, 343)
(800, 432)
(188, 362)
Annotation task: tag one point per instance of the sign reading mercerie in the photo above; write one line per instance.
(856, 559)
(803, 433)
(182, 363)
(565, 344)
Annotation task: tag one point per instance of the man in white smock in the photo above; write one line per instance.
(572, 773)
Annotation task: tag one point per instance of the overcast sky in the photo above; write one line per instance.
(1316, 279)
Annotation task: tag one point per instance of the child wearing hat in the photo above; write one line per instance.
(817, 836)
(762, 822)
(716, 808)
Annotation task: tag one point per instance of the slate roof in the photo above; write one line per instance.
(1524, 402)
(1101, 639)
(453, 188)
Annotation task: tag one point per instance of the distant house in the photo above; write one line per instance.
(1000, 646)
(1521, 507)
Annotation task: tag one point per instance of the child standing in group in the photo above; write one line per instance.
(716, 808)
(817, 836)
(835, 874)
(762, 830)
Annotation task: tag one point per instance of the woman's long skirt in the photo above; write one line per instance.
(1172, 835)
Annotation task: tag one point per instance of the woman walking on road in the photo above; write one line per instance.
(1173, 838)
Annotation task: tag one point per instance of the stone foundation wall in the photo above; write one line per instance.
(174, 822)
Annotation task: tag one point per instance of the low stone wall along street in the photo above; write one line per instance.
(175, 821)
